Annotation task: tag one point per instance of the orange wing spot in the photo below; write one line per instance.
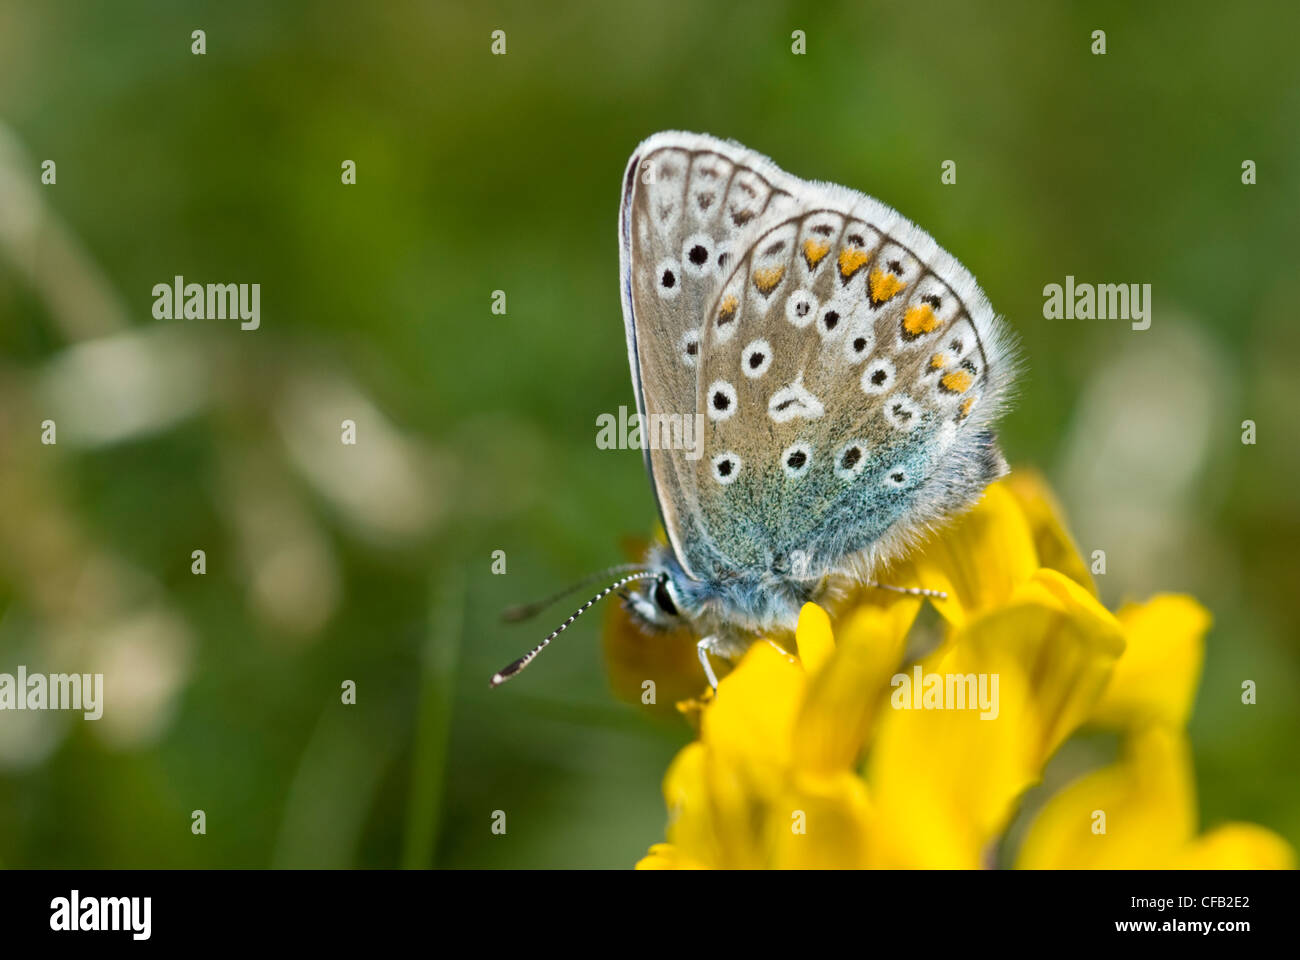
(727, 309)
(851, 262)
(765, 280)
(965, 408)
(958, 381)
(814, 252)
(883, 286)
(919, 320)
(938, 361)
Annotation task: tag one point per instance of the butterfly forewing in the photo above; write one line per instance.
(687, 207)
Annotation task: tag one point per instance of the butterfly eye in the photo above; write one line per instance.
(726, 466)
(878, 377)
(755, 359)
(722, 400)
(796, 460)
(663, 596)
(849, 461)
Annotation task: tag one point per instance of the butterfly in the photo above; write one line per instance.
(846, 373)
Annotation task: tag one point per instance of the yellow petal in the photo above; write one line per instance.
(711, 801)
(1238, 846)
(1155, 680)
(665, 856)
(1052, 542)
(836, 716)
(753, 716)
(1065, 640)
(946, 781)
(978, 561)
(815, 638)
(1147, 803)
(821, 823)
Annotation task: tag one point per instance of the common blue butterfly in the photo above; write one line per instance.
(849, 371)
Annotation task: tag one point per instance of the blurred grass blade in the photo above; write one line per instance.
(438, 660)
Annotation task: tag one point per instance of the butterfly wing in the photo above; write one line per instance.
(851, 371)
(690, 202)
(847, 367)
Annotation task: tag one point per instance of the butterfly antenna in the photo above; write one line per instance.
(504, 674)
(910, 591)
(524, 611)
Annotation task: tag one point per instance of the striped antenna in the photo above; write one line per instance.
(504, 674)
(524, 611)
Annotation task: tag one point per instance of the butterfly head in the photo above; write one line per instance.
(671, 600)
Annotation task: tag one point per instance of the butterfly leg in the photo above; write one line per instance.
(703, 649)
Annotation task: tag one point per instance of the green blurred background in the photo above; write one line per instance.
(478, 173)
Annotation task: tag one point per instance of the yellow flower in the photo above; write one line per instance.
(865, 752)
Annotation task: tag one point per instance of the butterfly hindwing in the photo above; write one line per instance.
(847, 368)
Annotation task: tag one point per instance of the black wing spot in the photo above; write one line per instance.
(859, 344)
(851, 457)
(698, 255)
(831, 319)
(895, 267)
(720, 400)
(879, 377)
(932, 300)
(668, 280)
(796, 460)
